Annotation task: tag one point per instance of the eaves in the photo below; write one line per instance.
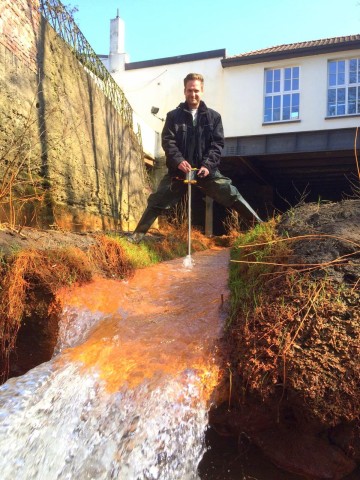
(261, 57)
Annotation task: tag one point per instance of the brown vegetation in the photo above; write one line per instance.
(32, 275)
(294, 336)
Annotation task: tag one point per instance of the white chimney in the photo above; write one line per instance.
(117, 57)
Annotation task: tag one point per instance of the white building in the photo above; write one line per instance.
(290, 113)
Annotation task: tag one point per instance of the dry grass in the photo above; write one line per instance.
(175, 242)
(29, 270)
(110, 258)
(33, 270)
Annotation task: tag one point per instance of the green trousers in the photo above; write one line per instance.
(170, 192)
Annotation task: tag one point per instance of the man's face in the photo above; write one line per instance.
(193, 93)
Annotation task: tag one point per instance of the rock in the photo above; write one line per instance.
(346, 436)
(304, 454)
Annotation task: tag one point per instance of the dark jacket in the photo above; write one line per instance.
(200, 145)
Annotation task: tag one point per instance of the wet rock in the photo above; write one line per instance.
(304, 454)
(233, 421)
(347, 437)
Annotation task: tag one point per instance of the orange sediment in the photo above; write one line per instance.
(163, 321)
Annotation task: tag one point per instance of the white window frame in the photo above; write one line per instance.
(281, 94)
(343, 87)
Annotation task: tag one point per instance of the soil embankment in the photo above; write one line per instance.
(295, 349)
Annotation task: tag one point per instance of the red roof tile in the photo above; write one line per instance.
(297, 48)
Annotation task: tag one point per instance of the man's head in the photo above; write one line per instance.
(193, 89)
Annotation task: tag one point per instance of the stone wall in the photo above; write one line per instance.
(83, 160)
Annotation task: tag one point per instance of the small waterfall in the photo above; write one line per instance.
(57, 423)
(127, 393)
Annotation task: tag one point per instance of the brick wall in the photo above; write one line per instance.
(19, 27)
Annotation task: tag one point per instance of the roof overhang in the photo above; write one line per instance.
(191, 57)
(275, 55)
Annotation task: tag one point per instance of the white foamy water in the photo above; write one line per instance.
(58, 423)
(126, 396)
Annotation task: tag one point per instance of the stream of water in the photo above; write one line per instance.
(127, 392)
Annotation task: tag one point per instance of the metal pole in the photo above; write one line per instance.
(189, 221)
(188, 262)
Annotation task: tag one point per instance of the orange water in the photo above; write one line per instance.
(164, 320)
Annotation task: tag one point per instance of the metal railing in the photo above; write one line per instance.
(64, 25)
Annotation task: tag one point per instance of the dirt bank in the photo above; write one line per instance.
(14, 240)
(295, 349)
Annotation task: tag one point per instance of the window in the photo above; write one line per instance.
(343, 87)
(282, 96)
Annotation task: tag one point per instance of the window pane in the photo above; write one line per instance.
(286, 113)
(268, 87)
(295, 84)
(276, 116)
(287, 73)
(341, 66)
(332, 80)
(341, 78)
(268, 102)
(351, 108)
(341, 72)
(268, 109)
(332, 68)
(352, 77)
(286, 101)
(276, 80)
(296, 99)
(332, 110)
(332, 95)
(269, 75)
(295, 105)
(267, 116)
(296, 72)
(341, 95)
(277, 101)
(351, 94)
(287, 85)
(341, 110)
(353, 71)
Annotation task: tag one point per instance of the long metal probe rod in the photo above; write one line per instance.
(189, 219)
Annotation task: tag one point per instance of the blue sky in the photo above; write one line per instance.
(164, 28)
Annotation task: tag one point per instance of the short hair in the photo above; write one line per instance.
(194, 76)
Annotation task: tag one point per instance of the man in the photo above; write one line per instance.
(193, 137)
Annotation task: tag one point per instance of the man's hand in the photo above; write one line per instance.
(203, 172)
(184, 166)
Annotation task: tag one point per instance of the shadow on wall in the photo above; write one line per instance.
(91, 160)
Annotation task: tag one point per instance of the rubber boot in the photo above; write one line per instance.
(238, 207)
(147, 219)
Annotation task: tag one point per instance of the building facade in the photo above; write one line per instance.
(290, 113)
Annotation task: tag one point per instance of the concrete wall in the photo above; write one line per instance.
(88, 161)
